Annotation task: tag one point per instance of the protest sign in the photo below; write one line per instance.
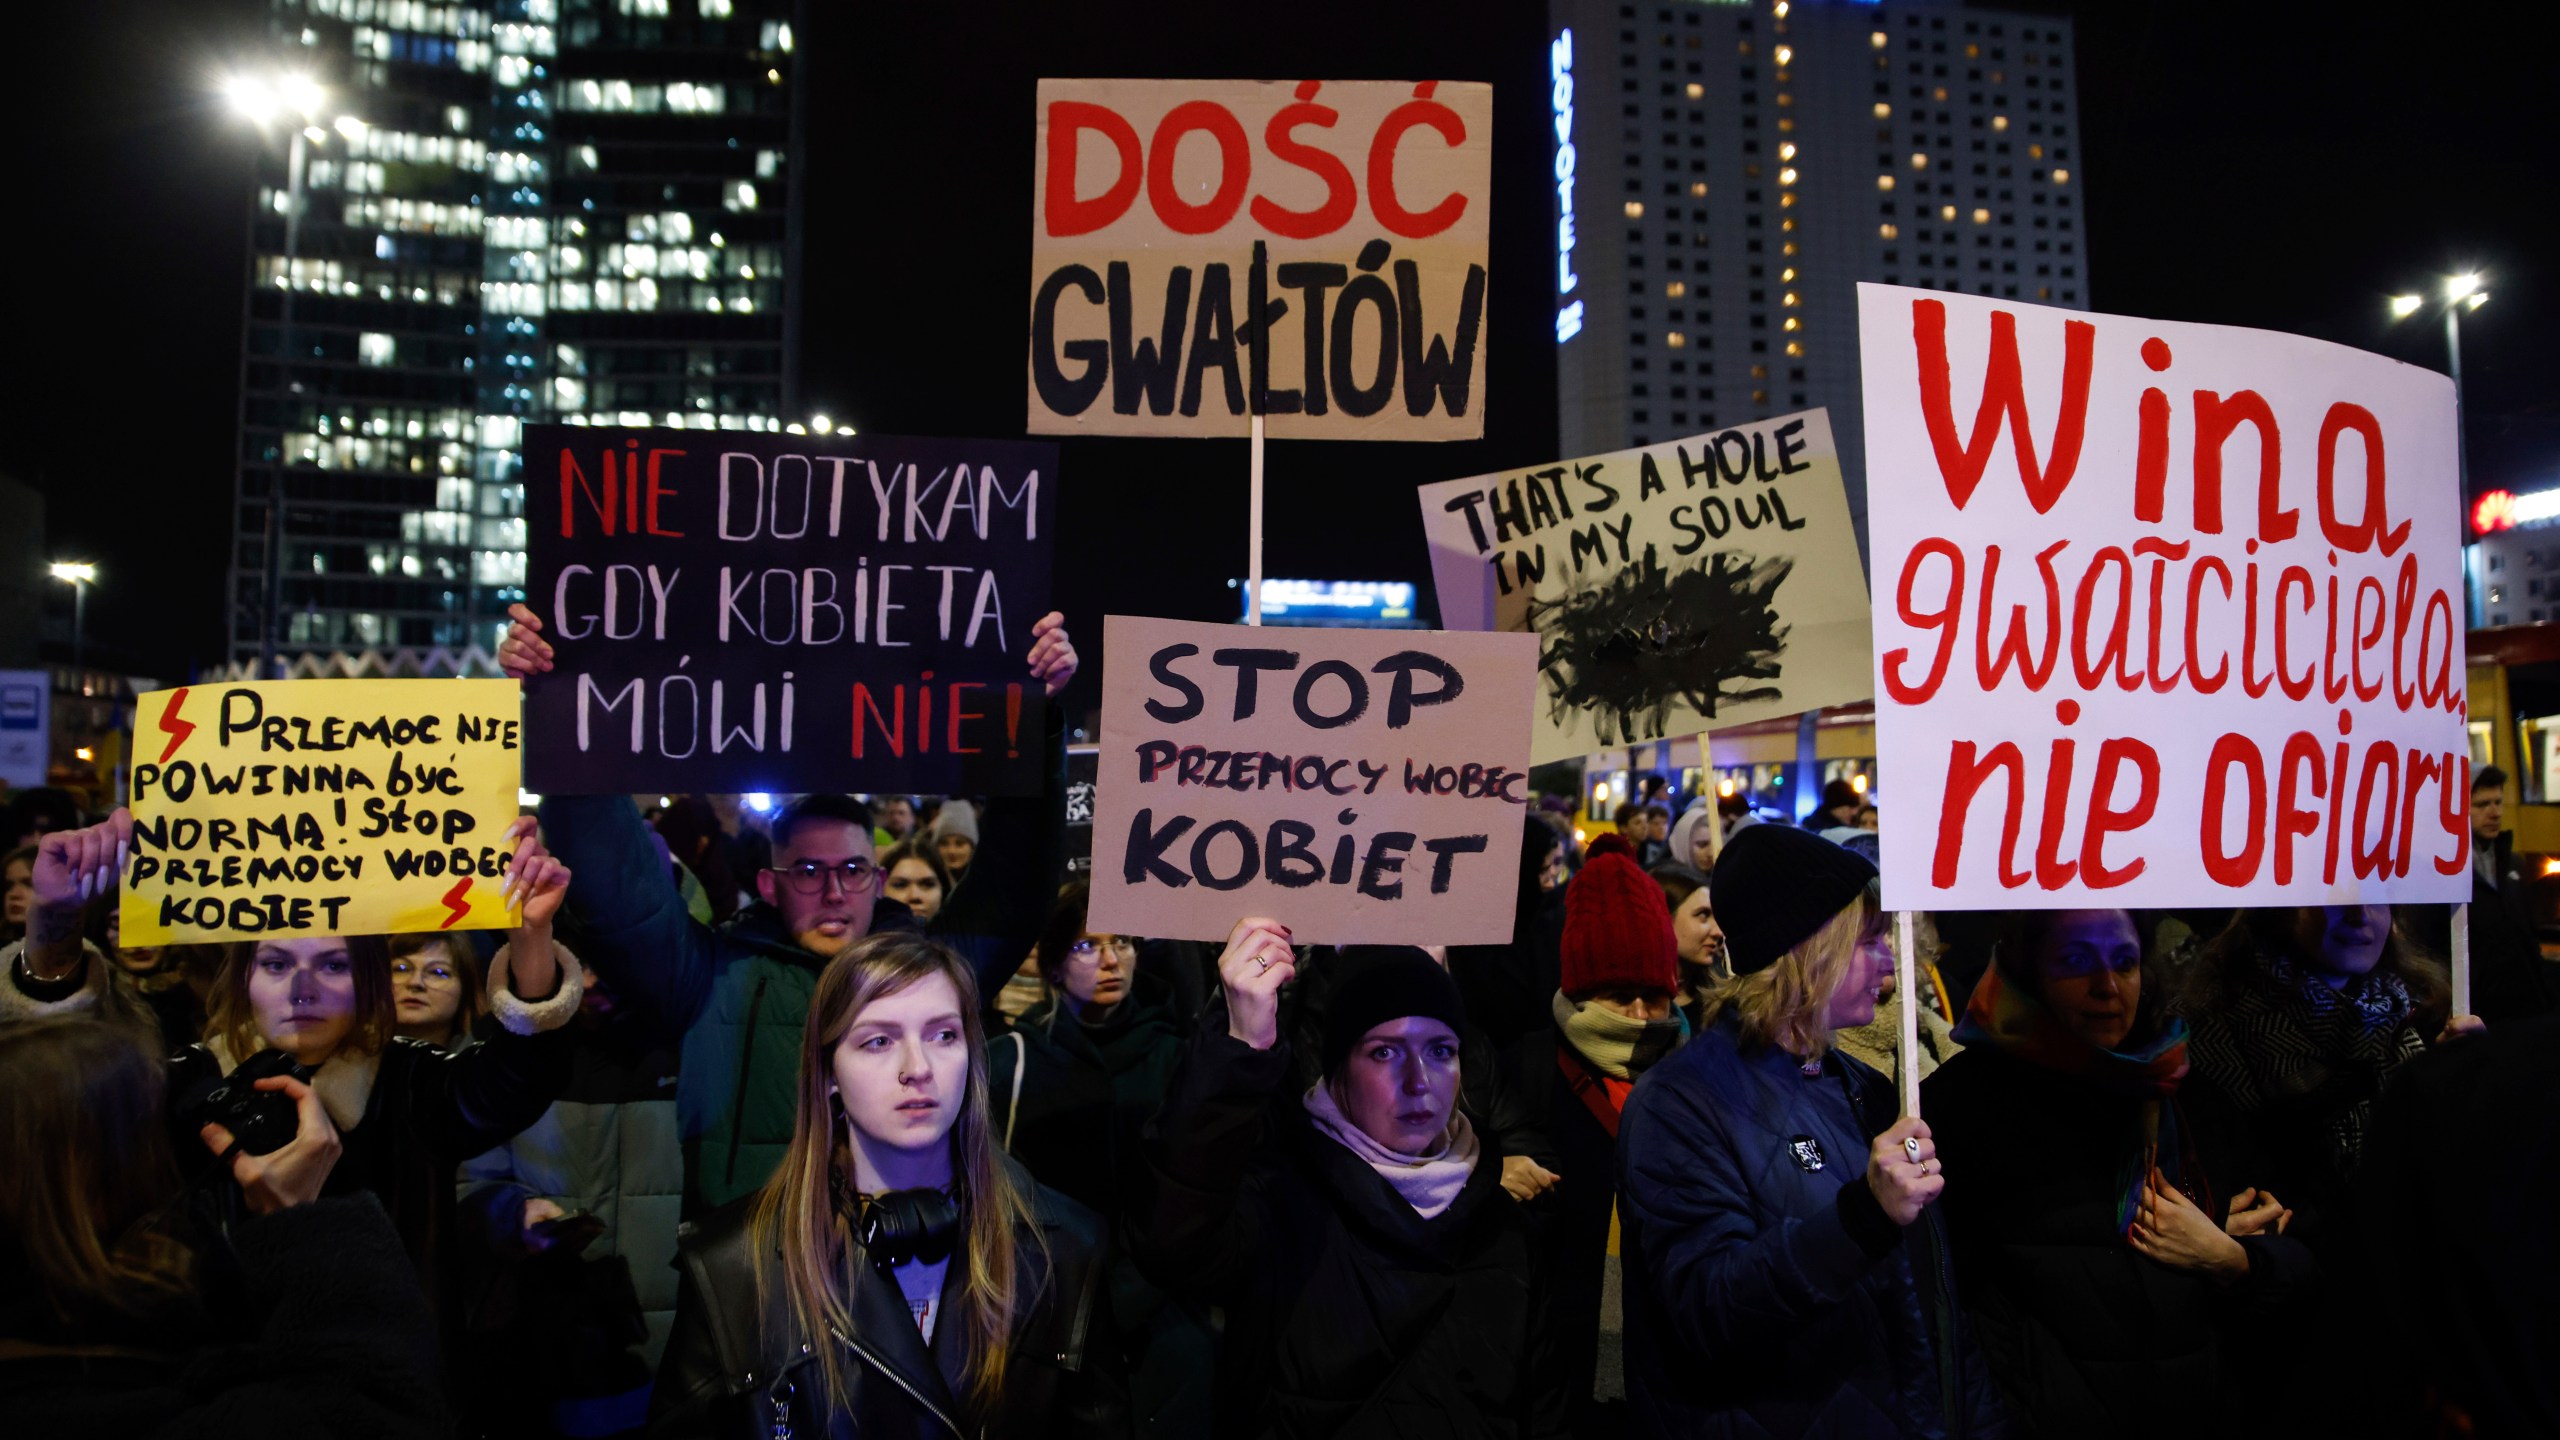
(1357, 785)
(1674, 588)
(2167, 615)
(294, 808)
(1206, 250)
(738, 612)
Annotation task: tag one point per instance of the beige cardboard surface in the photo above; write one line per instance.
(1700, 583)
(1351, 216)
(1368, 786)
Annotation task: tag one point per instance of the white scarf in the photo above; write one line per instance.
(1429, 1183)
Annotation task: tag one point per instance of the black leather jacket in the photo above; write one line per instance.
(737, 1367)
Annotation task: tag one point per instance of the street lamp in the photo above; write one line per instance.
(81, 577)
(2461, 292)
(294, 100)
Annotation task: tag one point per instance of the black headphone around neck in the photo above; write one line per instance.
(901, 1225)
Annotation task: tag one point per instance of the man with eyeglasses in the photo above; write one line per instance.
(738, 995)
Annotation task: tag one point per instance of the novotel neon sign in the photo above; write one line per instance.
(1560, 71)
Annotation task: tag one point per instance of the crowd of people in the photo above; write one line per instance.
(845, 1121)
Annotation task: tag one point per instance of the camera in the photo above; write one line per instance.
(263, 1121)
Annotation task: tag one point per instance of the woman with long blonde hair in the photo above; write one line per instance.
(898, 1274)
(1785, 1272)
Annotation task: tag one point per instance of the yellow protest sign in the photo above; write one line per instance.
(321, 807)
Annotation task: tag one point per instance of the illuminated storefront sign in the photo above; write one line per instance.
(1560, 71)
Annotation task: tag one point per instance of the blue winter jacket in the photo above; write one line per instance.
(737, 997)
(1767, 1293)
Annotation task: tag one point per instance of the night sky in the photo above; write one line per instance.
(2243, 166)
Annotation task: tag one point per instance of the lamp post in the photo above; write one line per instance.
(296, 101)
(81, 577)
(2460, 293)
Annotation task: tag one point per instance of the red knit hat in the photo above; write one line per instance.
(1617, 930)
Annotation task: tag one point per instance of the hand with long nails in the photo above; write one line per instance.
(72, 868)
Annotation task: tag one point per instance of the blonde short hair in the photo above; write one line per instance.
(1788, 1004)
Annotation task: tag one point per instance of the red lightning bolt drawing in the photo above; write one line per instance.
(176, 729)
(454, 901)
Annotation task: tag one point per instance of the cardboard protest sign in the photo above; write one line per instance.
(1358, 785)
(1206, 250)
(736, 612)
(2168, 615)
(320, 807)
(1702, 582)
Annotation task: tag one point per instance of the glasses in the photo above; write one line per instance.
(810, 878)
(1089, 950)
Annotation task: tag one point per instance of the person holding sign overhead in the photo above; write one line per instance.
(1376, 1276)
(321, 1008)
(734, 995)
(897, 1274)
(1785, 1270)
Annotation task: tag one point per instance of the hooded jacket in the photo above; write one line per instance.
(1348, 1314)
(1767, 1292)
(738, 1368)
(737, 997)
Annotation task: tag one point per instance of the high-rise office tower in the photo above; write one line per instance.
(511, 211)
(1727, 172)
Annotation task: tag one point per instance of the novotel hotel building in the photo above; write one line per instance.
(1725, 174)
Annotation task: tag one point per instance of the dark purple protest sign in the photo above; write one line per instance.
(741, 612)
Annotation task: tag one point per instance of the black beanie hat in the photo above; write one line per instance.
(1775, 886)
(1374, 984)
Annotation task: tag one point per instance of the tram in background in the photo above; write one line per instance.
(2514, 697)
(1764, 763)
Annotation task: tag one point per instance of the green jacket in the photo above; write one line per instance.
(738, 996)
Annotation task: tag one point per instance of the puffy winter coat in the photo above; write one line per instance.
(737, 997)
(1348, 1314)
(606, 1148)
(737, 1368)
(1572, 1240)
(2084, 1335)
(1767, 1292)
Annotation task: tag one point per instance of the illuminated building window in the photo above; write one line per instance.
(1787, 176)
(1795, 347)
(1785, 53)
(1676, 289)
(2061, 177)
(1876, 39)
(1788, 299)
(374, 348)
(1919, 160)
(1981, 217)
(1793, 323)
(1635, 209)
(1946, 212)
(1884, 182)
(1674, 340)
(1999, 122)
(2035, 152)
(1889, 231)
(1698, 188)
(1697, 91)
(1883, 111)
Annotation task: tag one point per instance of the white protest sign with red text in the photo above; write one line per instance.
(1311, 251)
(2166, 614)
